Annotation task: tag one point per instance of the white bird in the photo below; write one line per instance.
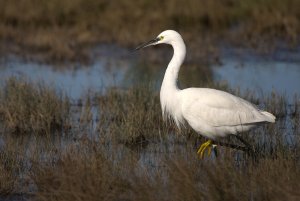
(211, 113)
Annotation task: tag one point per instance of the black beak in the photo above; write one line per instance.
(147, 44)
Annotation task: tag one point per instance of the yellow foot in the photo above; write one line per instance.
(206, 145)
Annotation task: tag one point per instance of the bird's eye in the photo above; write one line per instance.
(161, 37)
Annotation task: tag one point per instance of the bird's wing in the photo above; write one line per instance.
(218, 108)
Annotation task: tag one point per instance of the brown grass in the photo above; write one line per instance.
(62, 30)
(11, 167)
(26, 108)
(84, 177)
(132, 116)
(134, 155)
(181, 176)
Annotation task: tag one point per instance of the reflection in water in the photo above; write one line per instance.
(261, 76)
(189, 75)
(143, 73)
(113, 69)
(104, 73)
(277, 71)
(75, 83)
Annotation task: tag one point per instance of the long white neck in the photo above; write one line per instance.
(169, 88)
(171, 74)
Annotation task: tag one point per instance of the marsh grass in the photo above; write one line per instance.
(26, 108)
(61, 30)
(133, 115)
(134, 155)
(88, 176)
(11, 167)
(93, 176)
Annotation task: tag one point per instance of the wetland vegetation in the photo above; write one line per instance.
(122, 150)
(63, 30)
(65, 138)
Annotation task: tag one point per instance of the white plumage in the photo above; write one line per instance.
(211, 113)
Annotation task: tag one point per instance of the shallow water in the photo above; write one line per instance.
(116, 67)
(244, 69)
(279, 72)
(74, 82)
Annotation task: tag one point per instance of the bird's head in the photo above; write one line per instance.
(166, 37)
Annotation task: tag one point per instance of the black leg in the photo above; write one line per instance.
(233, 146)
(243, 141)
(249, 147)
(215, 151)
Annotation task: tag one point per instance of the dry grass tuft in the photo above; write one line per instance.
(8, 172)
(26, 108)
(88, 176)
(11, 166)
(132, 116)
(227, 179)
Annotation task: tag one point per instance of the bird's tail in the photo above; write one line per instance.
(269, 117)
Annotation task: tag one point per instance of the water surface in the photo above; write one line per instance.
(117, 67)
(279, 72)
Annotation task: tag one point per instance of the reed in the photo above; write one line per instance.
(27, 108)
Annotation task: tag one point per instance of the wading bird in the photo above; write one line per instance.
(211, 113)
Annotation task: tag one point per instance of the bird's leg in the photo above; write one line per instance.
(213, 144)
(233, 146)
(244, 142)
(206, 145)
(247, 145)
(214, 147)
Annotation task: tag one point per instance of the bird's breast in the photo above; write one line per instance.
(171, 109)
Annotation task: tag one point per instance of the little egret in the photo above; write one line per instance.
(211, 113)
